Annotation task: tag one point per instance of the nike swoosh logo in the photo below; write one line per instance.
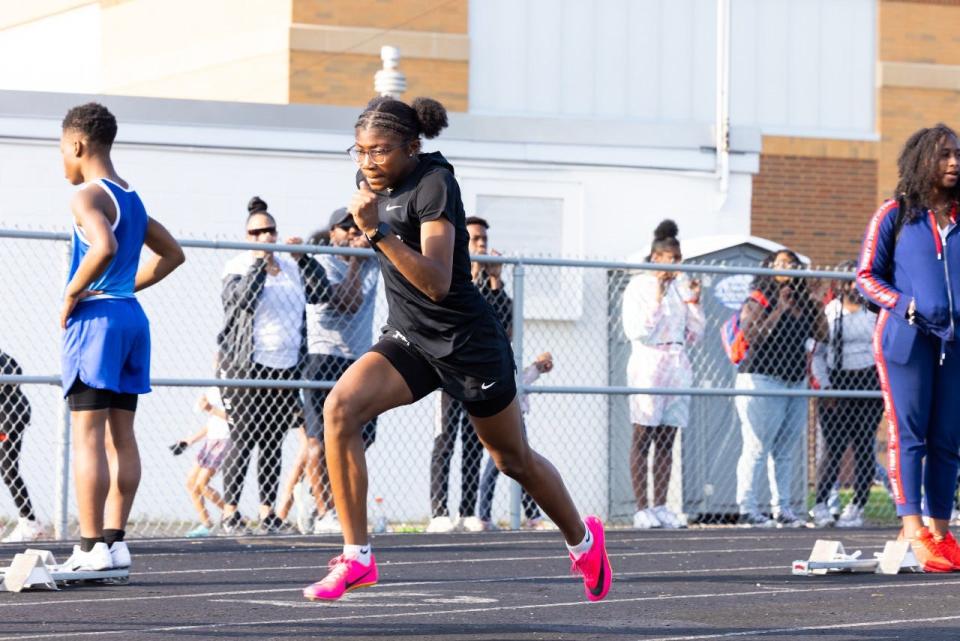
(362, 577)
(392, 207)
(487, 385)
(596, 590)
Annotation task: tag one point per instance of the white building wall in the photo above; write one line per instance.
(797, 68)
(197, 164)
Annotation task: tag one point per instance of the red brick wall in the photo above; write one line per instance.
(814, 206)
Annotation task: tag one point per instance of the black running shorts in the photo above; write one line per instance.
(480, 374)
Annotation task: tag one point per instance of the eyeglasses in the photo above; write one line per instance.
(377, 156)
(262, 230)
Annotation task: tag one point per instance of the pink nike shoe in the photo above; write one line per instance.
(593, 564)
(345, 575)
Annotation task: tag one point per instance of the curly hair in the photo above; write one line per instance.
(94, 121)
(918, 169)
(424, 116)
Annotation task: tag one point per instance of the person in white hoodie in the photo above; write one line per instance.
(662, 317)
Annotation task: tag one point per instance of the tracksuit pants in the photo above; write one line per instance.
(921, 396)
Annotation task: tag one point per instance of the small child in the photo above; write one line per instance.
(209, 458)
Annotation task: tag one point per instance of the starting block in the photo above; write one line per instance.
(829, 556)
(38, 570)
(897, 556)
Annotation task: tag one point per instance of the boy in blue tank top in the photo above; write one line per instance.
(106, 340)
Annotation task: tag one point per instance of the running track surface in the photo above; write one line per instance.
(695, 584)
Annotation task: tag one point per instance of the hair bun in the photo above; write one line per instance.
(256, 205)
(431, 115)
(666, 229)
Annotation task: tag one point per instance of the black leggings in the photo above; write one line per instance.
(259, 418)
(453, 418)
(853, 422)
(11, 440)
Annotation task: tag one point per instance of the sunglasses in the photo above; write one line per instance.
(262, 230)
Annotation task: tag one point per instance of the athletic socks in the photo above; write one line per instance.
(583, 546)
(360, 553)
(86, 544)
(112, 536)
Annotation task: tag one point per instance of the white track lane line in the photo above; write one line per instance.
(552, 557)
(392, 584)
(502, 608)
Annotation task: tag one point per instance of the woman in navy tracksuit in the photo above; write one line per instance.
(910, 268)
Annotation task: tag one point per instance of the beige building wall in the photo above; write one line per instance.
(273, 51)
(918, 76)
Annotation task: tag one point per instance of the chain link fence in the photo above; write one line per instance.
(245, 348)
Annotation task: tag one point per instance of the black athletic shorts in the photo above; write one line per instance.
(81, 398)
(480, 374)
(324, 367)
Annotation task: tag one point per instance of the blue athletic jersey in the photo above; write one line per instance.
(129, 228)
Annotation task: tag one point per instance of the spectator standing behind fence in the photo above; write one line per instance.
(216, 445)
(845, 362)
(488, 481)
(453, 417)
(264, 300)
(772, 427)
(910, 268)
(14, 418)
(339, 331)
(661, 318)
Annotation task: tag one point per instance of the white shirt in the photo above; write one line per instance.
(217, 428)
(278, 319)
(857, 344)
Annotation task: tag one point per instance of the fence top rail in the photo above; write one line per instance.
(20, 379)
(519, 261)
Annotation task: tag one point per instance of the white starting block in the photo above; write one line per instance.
(829, 556)
(38, 570)
(896, 557)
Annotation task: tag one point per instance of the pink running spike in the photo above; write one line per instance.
(593, 564)
(345, 575)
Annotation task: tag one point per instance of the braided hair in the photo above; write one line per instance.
(918, 169)
(423, 117)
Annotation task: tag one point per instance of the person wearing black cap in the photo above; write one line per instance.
(339, 331)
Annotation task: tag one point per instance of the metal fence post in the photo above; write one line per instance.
(518, 276)
(62, 493)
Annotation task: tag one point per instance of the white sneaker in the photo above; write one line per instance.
(96, 560)
(470, 524)
(120, 554)
(441, 525)
(329, 523)
(490, 526)
(822, 517)
(668, 519)
(852, 516)
(646, 520)
(786, 518)
(26, 530)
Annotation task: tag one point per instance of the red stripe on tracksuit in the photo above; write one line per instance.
(875, 287)
(893, 427)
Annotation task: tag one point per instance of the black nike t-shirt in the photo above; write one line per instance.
(430, 192)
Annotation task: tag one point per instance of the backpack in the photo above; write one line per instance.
(731, 334)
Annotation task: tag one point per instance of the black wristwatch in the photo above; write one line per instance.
(382, 230)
